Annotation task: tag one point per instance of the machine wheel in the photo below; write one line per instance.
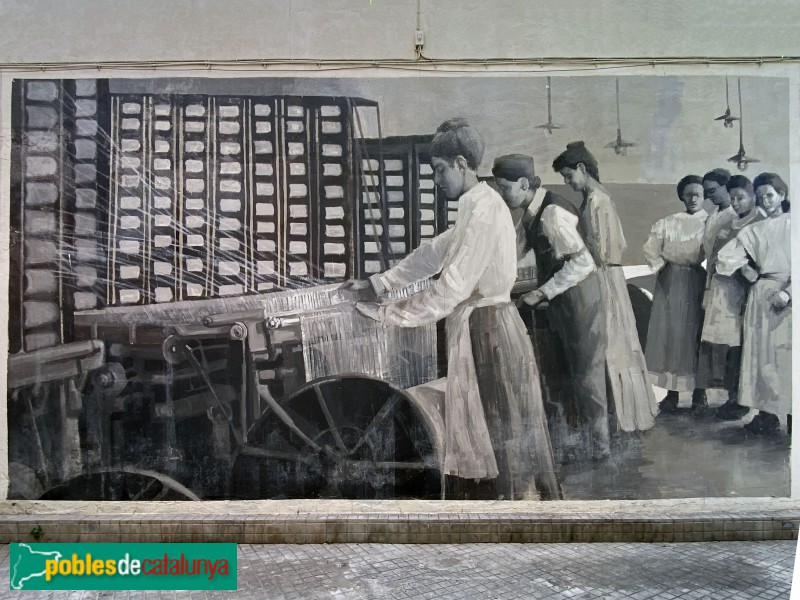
(127, 483)
(23, 482)
(339, 437)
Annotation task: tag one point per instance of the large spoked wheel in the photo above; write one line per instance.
(339, 437)
(127, 483)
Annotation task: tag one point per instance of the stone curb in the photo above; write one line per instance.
(398, 528)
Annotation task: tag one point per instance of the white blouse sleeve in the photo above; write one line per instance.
(476, 243)
(710, 234)
(424, 262)
(731, 258)
(561, 228)
(654, 246)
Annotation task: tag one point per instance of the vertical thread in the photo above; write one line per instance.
(247, 199)
(145, 183)
(177, 200)
(60, 252)
(114, 168)
(281, 194)
(211, 202)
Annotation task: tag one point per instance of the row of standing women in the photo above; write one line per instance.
(496, 426)
(728, 325)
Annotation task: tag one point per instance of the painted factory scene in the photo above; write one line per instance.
(465, 288)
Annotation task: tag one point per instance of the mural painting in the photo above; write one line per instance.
(399, 287)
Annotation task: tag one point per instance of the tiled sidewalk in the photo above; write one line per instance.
(716, 571)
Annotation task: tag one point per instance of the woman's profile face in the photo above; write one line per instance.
(574, 178)
(510, 191)
(715, 192)
(770, 200)
(449, 177)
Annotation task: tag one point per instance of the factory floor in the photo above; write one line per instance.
(685, 456)
(732, 538)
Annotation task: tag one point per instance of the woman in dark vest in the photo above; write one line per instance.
(569, 281)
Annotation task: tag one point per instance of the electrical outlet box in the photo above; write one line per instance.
(419, 38)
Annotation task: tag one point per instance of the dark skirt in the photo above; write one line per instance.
(676, 320)
(508, 380)
(718, 366)
(578, 319)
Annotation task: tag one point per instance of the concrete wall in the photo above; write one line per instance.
(89, 31)
(95, 30)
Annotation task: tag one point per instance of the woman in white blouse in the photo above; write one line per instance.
(761, 252)
(674, 250)
(720, 358)
(495, 425)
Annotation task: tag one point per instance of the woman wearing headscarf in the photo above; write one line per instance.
(761, 252)
(674, 250)
(494, 415)
(634, 402)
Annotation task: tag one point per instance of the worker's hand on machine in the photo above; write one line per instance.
(356, 285)
(363, 287)
(371, 310)
(531, 299)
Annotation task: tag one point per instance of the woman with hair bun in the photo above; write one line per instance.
(721, 339)
(674, 250)
(761, 252)
(634, 402)
(495, 424)
(772, 194)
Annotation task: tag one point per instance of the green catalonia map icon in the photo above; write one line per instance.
(29, 564)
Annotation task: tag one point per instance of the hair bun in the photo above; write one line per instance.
(452, 124)
(577, 153)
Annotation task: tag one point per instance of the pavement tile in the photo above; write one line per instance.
(632, 571)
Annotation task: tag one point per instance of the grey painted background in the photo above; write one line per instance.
(670, 119)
